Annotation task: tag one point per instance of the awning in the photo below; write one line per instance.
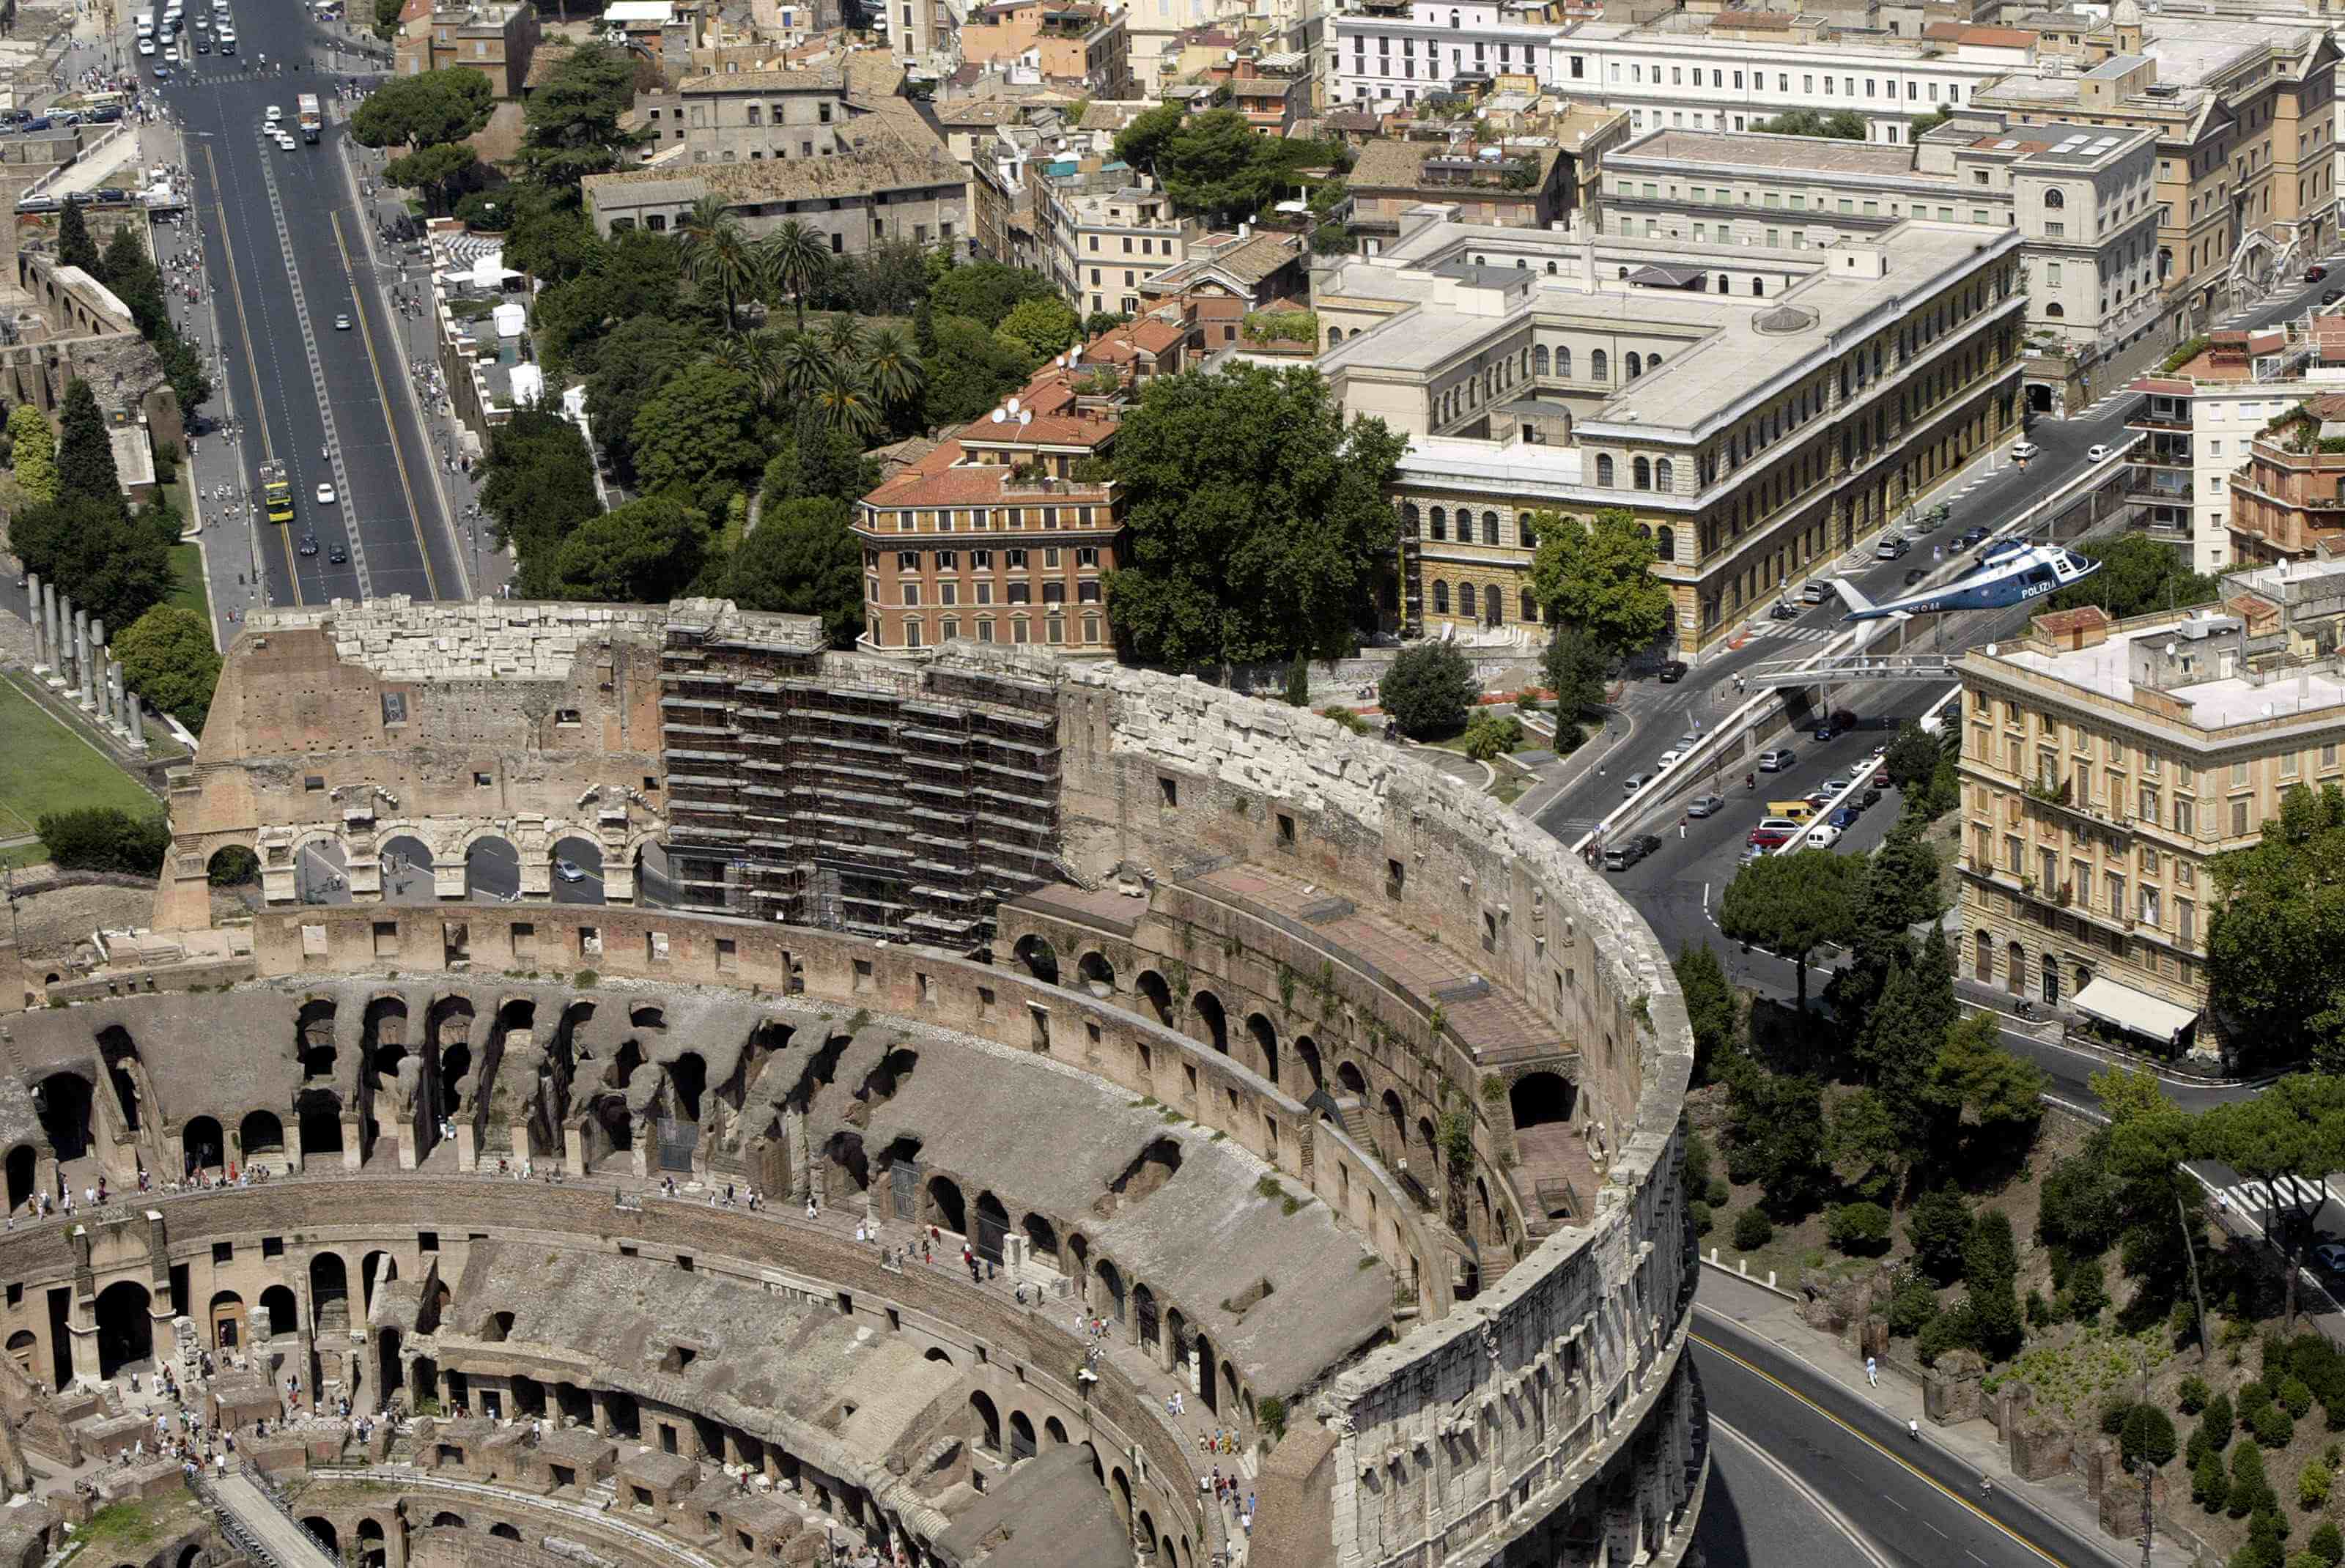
(1666, 277)
(2139, 1011)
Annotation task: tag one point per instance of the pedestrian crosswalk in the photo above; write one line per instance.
(2288, 1194)
(1790, 633)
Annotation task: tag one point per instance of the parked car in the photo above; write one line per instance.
(1970, 536)
(1634, 783)
(1672, 672)
(39, 204)
(1816, 590)
(1832, 787)
(2024, 450)
(1915, 574)
(1782, 610)
(1672, 754)
(2097, 453)
(1627, 853)
(1816, 798)
(1843, 819)
(112, 193)
(2315, 273)
(1827, 730)
(2330, 296)
(1823, 836)
(1706, 805)
(1772, 830)
(1870, 798)
(1775, 759)
(2330, 1257)
(1891, 547)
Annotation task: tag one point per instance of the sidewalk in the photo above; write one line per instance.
(1773, 1316)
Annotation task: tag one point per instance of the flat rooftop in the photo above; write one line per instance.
(2105, 669)
(1735, 345)
(1743, 149)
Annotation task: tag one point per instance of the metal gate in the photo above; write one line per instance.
(677, 1139)
(904, 1188)
(992, 1227)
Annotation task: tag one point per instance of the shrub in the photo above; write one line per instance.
(1859, 1229)
(2313, 1484)
(1954, 1330)
(1430, 690)
(2294, 1396)
(1702, 1217)
(2327, 1543)
(2113, 1411)
(2218, 1420)
(2307, 1558)
(1273, 1411)
(1912, 1305)
(1753, 1229)
(2247, 1483)
(1697, 1162)
(2274, 1426)
(2254, 1395)
(102, 838)
(1938, 1226)
(2193, 1395)
(1991, 1255)
(2086, 1293)
(2148, 1433)
(2039, 1311)
(1996, 1329)
(2210, 1485)
(1720, 1194)
(1490, 735)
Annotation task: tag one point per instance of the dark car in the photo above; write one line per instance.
(1915, 574)
(339, 556)
(37, 123)
(1843, 719)
(203, 44)
(1969, 536)
(2314, 274)
(107, 116)
(1628, 852)
(1843, 819)
(1826, 730)
(112, 193)
(1782, 610)
(308, 547)
(2330, 296)
(1870, 798)
(80, 199)
(1672, 672)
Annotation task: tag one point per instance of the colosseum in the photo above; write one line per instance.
(679, 1096)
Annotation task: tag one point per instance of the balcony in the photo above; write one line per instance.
(2151, 417)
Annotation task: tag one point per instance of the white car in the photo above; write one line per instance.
(1671, 755)
(2024, 449)
(2097, 454)
(171, 56)
(1823, 836)
(275, 114)
(146, 46)
(325, 495)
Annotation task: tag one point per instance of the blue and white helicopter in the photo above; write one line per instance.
(2010, 571)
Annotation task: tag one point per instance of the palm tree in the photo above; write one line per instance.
(842, 338)
(762, 361)
(717, 252)
(845, 403)
(794, 257)
(892, 363)
(804, 363)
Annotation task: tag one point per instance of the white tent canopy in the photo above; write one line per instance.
(2137, 1011)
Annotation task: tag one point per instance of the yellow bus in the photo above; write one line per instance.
(276, 493)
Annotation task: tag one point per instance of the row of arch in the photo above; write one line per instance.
(1017, 1441)
(125, 1314)
(1486, 604)
(2016, 969)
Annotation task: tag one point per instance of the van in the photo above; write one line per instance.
(146, 26)
(1791, 810)
(1816, 590)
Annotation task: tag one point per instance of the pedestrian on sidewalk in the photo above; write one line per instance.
(1872, 1373)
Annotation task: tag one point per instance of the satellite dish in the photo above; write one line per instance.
(1026, 418)
(1013, 405)
(997, 416)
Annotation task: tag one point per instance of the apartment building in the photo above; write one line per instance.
(1387, 54)
(496, 40)
(1004, 534)
(2104, 764)
(1730, 70)
(751, 115)
(2083, 200)
(1756, 412)
(2201, 413)
(1526, 184)
(2288, 500)
(1105, 227)
(2245, 113)
(1078, 47)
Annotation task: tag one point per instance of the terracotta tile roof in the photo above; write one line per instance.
(1985, 37)
(819, 79)
(2065, 623)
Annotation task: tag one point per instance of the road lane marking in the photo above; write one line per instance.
(1784, 1474)
(1878, 1447)
(374, 367)
(252, 369)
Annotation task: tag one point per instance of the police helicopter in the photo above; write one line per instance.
(2009, 571)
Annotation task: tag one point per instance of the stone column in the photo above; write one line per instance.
(56, 625)
(93, 669)
(137, 724)
(40, 627)
(117, 711)
(80, 691)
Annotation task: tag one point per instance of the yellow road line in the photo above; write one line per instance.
(1885, 1451)
(382, 393)
(260, 408)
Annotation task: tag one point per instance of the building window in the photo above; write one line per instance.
(1604, 469)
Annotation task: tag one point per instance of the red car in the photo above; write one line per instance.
(2315, 274)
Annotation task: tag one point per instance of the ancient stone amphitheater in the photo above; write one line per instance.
(1311, 1119)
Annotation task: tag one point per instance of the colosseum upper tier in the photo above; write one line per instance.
(1137, 1083)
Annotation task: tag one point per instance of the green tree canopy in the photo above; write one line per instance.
(971, 368)
(1777, 1123)
(2277, 921)
(988, 291)
(635, 360)
(540, 486)
(1710, 1005)
(104, 838)
(441, 171)
(2138, 574)
(168, 659)
(1599, 576)
(2142, 1149)
(75, 246)
(85, 450)
(695, 436)
(644, 552)
(1042, 325)
(569, 127)
(1792, 905)
(547, 239)
(1428, 689)
(114, 566)
(1845, 126)
(802, 558)
(1257, 517)
(1215, 162)
(1992, 1096)
(445, 105)
(2294, 1128)
(33, 453)
(637, 273)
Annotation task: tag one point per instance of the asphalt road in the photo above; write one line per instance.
(1758, 1514)
(286, 247)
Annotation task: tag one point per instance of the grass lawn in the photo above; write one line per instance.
(189, 592)
(47, 766)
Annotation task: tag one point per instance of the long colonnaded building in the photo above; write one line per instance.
(1348, 1099)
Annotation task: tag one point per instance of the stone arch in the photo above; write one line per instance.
(1041, 960)
(260, 1132)
(446, 1521)
(1042, 1236)
(945, 1208)
(202, 1145)
(1396, 1122)
(225, 1316)
(1110, 1280)
(1982, 956)
(937, 1353)
(1097, 975)
(2015, 970)
(993, 1225)
(407, 871)
(373, 1550)
(1539, 1099)
(492, 866)
(1351, 1080)
(63, 1100)
(573, 869)
(1204, 1365)
(375, 1268)
(1307, 1056)
(1264, 1036)
(192, 1556)
(1053, 1428)
(281, 1310)
(1215, 1022)
(1022, 1436)
(318, 1526)
(23, 1165)
(330, 1293)
(1157, 993)
(504, 1532)
(319, 1112)
(1146, 1319)
(126, 1326)
(1119, 1488)
(987, 1435)
(688, 1078)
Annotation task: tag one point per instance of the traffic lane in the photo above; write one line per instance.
(2303, 297)
(407, 542)
(1921, 1505)
(1756, 1514)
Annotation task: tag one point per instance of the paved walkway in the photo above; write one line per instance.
(285, 1544)
(1771, 1316)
